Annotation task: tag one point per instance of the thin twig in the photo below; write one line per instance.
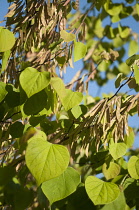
(121, 86)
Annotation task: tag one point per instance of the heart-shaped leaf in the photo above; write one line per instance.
(117, 150)
(45, 160)
(133, 167)
(101, 192)
(61, 186)
(71, 99)
(112, 171)
(32, 81)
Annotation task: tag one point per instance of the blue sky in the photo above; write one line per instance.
(94, 90)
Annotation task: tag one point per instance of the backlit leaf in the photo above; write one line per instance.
(3, 91)
(136, 73)
(68, 37)
(132, 59)
(133, 167)
(5, 57)
(7, 39)
(133, 47)
(129, 139)
(112, 171)
(61, 186)
(71, 99)
(80, 50)
(101, 192)
(117, 150)
(118, 204)
(32, 81)
(45, 160)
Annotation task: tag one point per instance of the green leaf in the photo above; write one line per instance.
(124, 31)
(45, 160)
(129, 139)
(113, 9)
(16, 129)
(117, 150)
(35, 103)
(136, 73)
(61, 186)
(133, 167)
(3, 91)
(5, 57)
(101, 192)
(112, 171)
(68, 37)
(118, 80)
(32, 81)
(133, 48)
(71, 99)
(79, 200)
(118, 204)
(80, 50)
(76, 111)
(132, 59)
(7, 39)
(6, 174)
(58, 86)
(13, 96)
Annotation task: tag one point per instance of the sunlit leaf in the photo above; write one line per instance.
(61, 186)
(7, 39)
(3, 91)
(32, 81)
(133, 167)
(5, 57)
(136, 73)
(129, 139)
(132, 59)
(112, 171)
(68, 37)
(101, 192)
(133, 48)
(76, 111)
(80, 50)
(117, 150)
(58, 86)
(119, 203)
(45, 160)
(71, 99)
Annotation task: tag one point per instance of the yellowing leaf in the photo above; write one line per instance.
(68, 37)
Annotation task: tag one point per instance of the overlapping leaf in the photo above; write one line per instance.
(45, 160)
(61, 186)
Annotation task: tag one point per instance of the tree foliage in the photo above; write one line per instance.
(62, 148)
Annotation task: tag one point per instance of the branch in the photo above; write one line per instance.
(121, 86)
